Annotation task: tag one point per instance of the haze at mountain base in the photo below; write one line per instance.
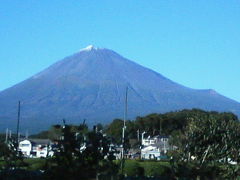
(91, 85)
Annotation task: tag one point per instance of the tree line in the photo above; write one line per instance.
(208, 146)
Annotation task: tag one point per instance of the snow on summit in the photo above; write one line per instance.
(92, 84)
(89, 48)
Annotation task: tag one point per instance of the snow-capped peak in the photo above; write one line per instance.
(89, 48)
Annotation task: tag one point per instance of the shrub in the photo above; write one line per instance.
(133, 168)
(153, 169)
(35, 164)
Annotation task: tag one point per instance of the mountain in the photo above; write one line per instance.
(91, 85)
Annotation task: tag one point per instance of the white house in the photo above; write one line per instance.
(25, 147)
(35, 147)
(155, 140)
(154, 147)
(150, 152)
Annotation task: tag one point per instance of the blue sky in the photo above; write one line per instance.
(194, 43)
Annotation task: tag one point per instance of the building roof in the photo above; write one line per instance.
(38, 141)
(160, 136)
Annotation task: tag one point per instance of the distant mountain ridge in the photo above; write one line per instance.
(91, 85)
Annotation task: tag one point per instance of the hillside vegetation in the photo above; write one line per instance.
(207, 147)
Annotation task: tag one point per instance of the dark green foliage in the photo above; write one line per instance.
(154, 169)
(35, 164)
(172, 124)
(133, 168)
(2, 138)
(141, 169)
(20, 174)
(53, 133)
(208, 145)
(10, 157)
(4, 150)
(81, 155)
(12, 164)
(100, 127)
(206, 142)
(114, 130)
(211, 140)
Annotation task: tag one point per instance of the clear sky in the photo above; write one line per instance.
(195, 43)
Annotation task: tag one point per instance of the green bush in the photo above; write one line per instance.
(155, 169)
(133, 168)
(20, 174)
(35, 164)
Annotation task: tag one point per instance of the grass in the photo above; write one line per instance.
(35, 163)
(146, 168)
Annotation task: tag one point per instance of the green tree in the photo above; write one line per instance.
(10, 157)
(208, 141)
(81, 155)
(114, 130)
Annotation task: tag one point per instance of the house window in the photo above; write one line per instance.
(152, 141)
(34, 153)
(24, 145)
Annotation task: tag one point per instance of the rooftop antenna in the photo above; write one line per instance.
(64, 123)
(84, 121)
(26, 134)
(18, 119)
(160, 128)
(124, 127)
(138, 135)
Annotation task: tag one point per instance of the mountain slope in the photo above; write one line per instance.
(91, 85)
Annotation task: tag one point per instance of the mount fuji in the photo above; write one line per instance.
(91, 85)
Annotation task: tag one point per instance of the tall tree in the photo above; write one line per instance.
(80, 155)
(207, 142)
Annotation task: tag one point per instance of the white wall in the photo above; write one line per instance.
(25, 147)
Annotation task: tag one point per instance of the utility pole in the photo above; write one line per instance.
(142, 142)
(26, 134)
(160, 128)
(138, 135)
(124, 127)
(143, 136)
(6, 140)
(18, 119)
